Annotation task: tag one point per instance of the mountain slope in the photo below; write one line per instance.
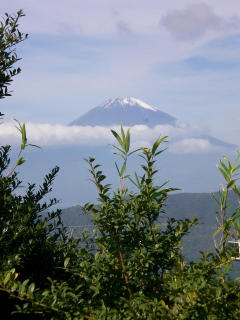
(126, 111)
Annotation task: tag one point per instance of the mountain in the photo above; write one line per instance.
(131, 111)
(126, 111)
(218, 142)
(178, 206)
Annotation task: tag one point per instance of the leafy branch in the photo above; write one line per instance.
(20, 159)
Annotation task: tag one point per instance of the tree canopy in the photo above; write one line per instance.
(10, 36)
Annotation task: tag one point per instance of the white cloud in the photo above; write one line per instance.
(194, 21)
(192, 145)
(100, 17)
(50, 135)
(45, 135)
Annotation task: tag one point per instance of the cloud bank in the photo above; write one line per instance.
(183, 139)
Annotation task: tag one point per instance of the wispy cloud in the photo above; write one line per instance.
(182, 139)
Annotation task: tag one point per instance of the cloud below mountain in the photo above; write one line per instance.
(192, 145)
(183, 139)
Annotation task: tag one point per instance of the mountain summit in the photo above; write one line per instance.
(127, 111)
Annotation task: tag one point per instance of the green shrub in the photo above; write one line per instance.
(133, 269)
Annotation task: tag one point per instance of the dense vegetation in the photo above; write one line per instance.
(178, 206)
(133, 268)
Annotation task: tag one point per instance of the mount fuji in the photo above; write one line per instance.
(126, 111)
(130, 111)
(191, 169)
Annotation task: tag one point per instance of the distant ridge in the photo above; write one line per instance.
(128, 111)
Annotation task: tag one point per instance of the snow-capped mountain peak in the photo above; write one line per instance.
(128, 111)
(127, 102)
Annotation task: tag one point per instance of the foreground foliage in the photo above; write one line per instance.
(10, 36)
(132, 269)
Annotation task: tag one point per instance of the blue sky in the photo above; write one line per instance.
(182, 57)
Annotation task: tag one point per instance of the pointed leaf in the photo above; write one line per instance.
(122, 133)
(127, 140)
(236, 160)
(33, 145)
(117, 169)
(157, 143)
(134, 151)
(123, 169)
(20, 161)
(224, 166)
(118, 148)
(223, 173)
(118, 138)
(237, 167)
(231, 183)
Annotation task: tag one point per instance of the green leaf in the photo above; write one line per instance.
(122, 133)
(123, 169)
(20, 161)
(228, 162)
(224, 167)
(161, 151)
(31, 288)
(226, 177)
(157, 143)
(237, 167)
(118, 138)
(7, 278)
(134, 151)
(118, 150)
(231, 183)
(66, 262)
(236, 160)
(33, 145)
(101, 178)
(217, 232)
(24, 136)
(127, 140)
(117, 169)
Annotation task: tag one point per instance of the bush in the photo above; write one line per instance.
(133, 269)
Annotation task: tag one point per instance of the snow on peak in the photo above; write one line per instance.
(128, 101)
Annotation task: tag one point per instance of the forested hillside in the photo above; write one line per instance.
(178, 206)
